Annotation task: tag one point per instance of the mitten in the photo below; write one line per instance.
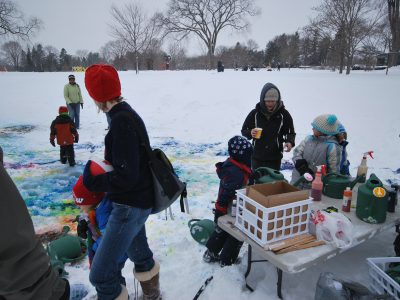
(82, 229)
(52, 142)
(82, 105)
(88, 178)
(301, 165)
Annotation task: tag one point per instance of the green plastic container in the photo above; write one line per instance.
(372, 201)
(335, 184)
(269, 175)
(201, 230)
(67, 249)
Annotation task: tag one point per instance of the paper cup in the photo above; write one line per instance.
(258, 133)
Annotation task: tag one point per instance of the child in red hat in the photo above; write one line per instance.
(63, 128)
(96, 210)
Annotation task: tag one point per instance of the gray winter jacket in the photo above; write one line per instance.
(323, 150)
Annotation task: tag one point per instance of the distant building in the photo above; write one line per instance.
(382, 59)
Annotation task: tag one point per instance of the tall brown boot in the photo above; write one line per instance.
(150, 283)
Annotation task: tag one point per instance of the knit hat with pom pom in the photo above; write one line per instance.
(327, 124)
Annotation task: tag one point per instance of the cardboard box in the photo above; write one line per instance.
(272, 211)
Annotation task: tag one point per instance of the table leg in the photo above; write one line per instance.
(279, 283)
(249, 262)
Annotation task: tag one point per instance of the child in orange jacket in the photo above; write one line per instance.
(63, 128)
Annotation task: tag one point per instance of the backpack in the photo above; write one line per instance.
(166, 184)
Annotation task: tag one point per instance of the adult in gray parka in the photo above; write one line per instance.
(320, 148)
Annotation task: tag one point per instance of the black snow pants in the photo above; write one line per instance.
(221, 241)
(67, 153)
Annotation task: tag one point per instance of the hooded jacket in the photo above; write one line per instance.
(63, 128)
(233, 175)
(277, 128)
(322, 150)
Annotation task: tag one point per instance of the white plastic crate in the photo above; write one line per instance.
(381, 282)
(269, 224)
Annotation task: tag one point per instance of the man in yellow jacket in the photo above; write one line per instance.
(73, 98)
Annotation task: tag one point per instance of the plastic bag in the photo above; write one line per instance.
(331, 287)
(333, 228)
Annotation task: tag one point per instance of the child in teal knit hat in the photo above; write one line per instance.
(320, 148)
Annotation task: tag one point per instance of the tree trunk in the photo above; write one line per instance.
(341, 62)
(137, 63)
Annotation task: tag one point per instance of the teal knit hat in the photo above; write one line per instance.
(327, 124)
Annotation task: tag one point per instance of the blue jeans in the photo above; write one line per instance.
(125, 233)
(74, 110)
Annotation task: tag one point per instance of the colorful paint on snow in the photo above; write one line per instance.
(45, 184)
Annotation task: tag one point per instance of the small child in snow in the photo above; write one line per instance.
(96, 209)
(320, 148)
(234, 173)
(63, 128)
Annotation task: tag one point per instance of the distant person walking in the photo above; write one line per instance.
(276, 126)
(73, 98)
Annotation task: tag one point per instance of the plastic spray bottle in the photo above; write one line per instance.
(347, 195)
(317, 185)
(363, 168)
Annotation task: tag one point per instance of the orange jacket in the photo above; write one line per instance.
(63, 128)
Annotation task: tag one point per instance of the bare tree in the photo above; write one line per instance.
(394, 21)
(12, 52)
(13, 21)
(113, 50)
(348, 21)
(207, 18)
(134, 29)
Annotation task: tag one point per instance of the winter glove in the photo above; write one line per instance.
(52, 142)
(88, 178)
(301, 165)
(82, 105)
(76, 138)
(82, 229)
(218, 213)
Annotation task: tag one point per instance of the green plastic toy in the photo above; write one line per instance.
(201, 230)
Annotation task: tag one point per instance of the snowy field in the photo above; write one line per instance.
(191, 115)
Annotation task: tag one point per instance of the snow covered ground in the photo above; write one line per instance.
(192, 115)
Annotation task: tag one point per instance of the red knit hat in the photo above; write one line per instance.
(82, 196)
(102, 82)
(62, 110)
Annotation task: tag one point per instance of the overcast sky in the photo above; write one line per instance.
(84, 24)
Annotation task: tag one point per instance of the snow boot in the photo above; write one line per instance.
(210, 257)
(150, 283)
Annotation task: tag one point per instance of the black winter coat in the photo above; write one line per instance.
(131, 182)
(276, 131)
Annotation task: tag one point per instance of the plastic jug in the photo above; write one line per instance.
(372, 200)
(268, 175)
(335, 184)
(201, 230)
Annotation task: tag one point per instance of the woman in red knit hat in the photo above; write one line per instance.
(129, 187)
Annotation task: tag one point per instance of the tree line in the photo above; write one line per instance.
(341, 34)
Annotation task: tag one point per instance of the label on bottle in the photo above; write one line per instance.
(379, 192)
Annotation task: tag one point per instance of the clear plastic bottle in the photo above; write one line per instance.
(363, 168)
(347, 196)
(317, 185)
(233, 211)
